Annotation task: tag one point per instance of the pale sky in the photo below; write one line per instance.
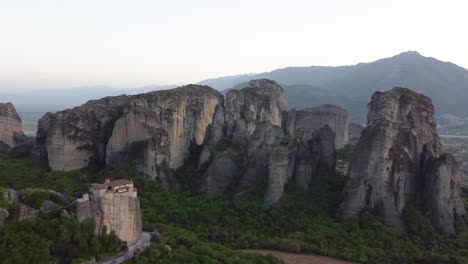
(127, 43)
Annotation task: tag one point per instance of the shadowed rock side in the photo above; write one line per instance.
(254, 141)
(443, 203)
(396, 162)
(152, 131)
(354, 133)
(333, 116)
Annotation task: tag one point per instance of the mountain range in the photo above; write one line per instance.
(347, 86)
(351, 86)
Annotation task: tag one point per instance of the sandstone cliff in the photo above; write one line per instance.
(354, 133)
(152, 131)
(333, 116)
(118, 212)
(250, 141)
(398, 161)
(254, 140)
(10, 127)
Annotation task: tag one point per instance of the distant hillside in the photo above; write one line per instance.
(352, 86)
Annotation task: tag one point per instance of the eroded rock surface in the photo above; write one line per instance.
(10, 127)
(117, 211)
(333, 116)
(443, 202)
(255, 141)
(396, 162)
(152, 131)
(354, 132)
(3, 216)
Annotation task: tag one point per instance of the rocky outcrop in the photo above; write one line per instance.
(332, 116)
(152, 131)
(262, 101)
(354, 132)
(26, 212)
(10, 127)
(241, 138)
(255, 141)
(443, 203)
(398, 161)
(3, 216)
(118, 212)
(11, 195)
(252, 140)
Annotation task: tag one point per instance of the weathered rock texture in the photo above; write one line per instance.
(3, 216)
(10, 126)
(354, 133)
(250, 141)
(119, 212)
(152, 131)
(398, 161)
(333, 116)
(254, 141)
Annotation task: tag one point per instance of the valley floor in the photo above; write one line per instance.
(296, 258)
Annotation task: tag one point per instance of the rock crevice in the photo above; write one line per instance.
(151, 131)
(256, 141)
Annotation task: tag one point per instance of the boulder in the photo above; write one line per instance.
(26, 212)
(393, 160)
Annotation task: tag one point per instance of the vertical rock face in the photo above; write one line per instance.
(241, 138)
(443, 203)
(152, 131)
(354, 133)
(391, 162)
(76, 138)
(117, 211)
(3, 216)
(255, 141)
(333, 116)
(10, 125)
(262, 101)
(156, 130)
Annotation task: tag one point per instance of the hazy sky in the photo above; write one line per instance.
(64, 43)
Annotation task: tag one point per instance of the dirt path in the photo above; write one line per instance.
(293, 258)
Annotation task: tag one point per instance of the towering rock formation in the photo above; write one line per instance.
(354, 133)
(115, 205)
(250, 141)
(262, 101)
(152, 131)
(10, 127)
(254, 140)
(398, 161)
(333, 116)
(239, 142)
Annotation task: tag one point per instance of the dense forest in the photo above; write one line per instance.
(192, 227)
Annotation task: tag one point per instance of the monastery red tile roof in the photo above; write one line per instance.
(102, 186)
